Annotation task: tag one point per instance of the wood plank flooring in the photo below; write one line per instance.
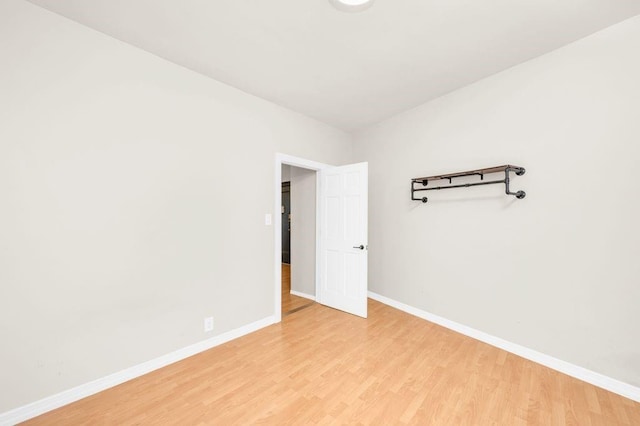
(322, 366)
(290, 303)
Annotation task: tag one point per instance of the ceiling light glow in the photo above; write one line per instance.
(351, 5)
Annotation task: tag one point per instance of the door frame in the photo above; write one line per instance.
(277, 222)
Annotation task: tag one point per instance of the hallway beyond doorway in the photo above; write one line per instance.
(290, 302)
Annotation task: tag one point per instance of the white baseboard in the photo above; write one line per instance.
(305, 295)
(36, 408)
(596, 379)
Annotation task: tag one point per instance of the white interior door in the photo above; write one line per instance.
(342, 248)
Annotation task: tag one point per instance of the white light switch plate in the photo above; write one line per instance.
(267, 219)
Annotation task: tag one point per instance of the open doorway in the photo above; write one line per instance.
(340, 234)
(298, 230)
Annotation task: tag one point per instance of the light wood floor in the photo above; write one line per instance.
(290, 303)
(324, 366)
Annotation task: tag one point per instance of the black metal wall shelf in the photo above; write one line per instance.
(506, 169)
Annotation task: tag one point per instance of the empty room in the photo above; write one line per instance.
(319, 212)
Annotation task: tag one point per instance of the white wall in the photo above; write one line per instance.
(303, 231)
(286, 173)
(557, 272)
(123, 218)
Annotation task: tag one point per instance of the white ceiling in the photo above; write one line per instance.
(348, 70)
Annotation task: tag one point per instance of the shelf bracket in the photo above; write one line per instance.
(519, 172)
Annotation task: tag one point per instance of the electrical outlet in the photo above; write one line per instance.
(208, 324)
